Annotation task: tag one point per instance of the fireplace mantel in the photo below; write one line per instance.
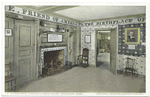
(52, 45)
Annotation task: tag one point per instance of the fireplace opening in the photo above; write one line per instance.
(53, 60)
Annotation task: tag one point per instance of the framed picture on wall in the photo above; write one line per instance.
(87, 38)
(8, 32)
(132, 36)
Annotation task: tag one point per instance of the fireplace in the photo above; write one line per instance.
(53, 57)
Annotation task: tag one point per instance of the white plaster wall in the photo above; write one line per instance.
(90, 30)
(140, 63)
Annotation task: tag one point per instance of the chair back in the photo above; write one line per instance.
(130, 62)
(85, 52)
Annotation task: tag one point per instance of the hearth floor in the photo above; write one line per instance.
(88, 79)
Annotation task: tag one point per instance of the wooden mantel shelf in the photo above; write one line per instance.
(46, 46)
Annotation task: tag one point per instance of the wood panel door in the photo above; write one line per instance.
(113, 50)
(25, 51)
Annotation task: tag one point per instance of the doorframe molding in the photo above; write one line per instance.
(96, 31)
(34, 24)
(105, 29)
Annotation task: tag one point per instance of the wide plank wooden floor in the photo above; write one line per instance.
(88, 79)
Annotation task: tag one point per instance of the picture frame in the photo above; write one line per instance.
(132, 36)
(8, 32)
(87, 38)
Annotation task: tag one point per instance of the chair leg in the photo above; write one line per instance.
(123, 72)
(11, 85)
(15, 85)
(137, 73)
(132, 74)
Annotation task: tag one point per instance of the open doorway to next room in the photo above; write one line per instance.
(103, 49)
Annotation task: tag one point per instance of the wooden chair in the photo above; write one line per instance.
(130, 66)
(10, 80)
(83, 59)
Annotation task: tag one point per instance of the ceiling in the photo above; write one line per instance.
(87, 13)
(84, 13)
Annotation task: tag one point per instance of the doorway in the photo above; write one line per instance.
(106, 49)
(103, 49)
